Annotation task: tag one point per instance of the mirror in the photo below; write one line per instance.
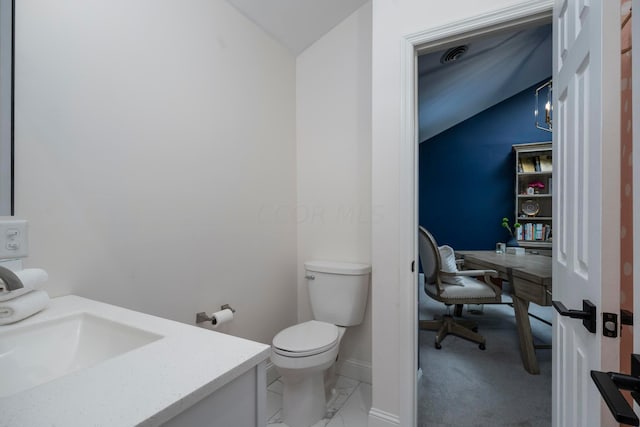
(6, 106)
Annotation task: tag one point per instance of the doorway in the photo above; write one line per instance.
(475, 101)
(520, 16)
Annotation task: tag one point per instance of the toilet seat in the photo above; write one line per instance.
(306, 339)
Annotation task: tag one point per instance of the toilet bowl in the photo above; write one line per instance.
(303, 352)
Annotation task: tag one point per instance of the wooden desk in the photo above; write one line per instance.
(530, 277)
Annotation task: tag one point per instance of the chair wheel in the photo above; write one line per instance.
(482, 346)
(438, 346)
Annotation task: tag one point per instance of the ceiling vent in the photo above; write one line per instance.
(454, 54)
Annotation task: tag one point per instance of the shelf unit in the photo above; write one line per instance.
(533, 194)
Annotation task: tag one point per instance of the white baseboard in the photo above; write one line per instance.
(356, 369)
(380, 418)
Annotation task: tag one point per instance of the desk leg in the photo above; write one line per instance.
(521, 308)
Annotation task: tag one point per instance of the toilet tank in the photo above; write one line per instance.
(338, 291)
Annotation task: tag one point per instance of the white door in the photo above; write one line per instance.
(586, 240)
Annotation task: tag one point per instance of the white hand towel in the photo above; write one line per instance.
(22, 307)
(30, 278)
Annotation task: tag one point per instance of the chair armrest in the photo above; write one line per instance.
(491, 273)
(487, 275)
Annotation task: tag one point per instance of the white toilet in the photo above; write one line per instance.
(301, 353)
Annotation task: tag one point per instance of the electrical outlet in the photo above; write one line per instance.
(13, 238)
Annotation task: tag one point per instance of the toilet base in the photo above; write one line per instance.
(303, 402)
(330, 379)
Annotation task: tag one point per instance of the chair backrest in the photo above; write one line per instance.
(429, 255)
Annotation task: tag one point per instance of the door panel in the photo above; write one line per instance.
(586, 201)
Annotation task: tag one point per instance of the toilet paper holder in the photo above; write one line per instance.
(203, 317)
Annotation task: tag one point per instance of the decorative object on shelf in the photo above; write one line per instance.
(512, 241)
(546, 123)
(530, 207)
(535, 187)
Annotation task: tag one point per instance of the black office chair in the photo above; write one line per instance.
(444, 283)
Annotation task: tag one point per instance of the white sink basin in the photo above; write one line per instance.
(40, 352)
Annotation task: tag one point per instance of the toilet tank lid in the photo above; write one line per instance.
(337, 267)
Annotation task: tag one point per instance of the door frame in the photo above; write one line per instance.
(508, 18)
(635, 149)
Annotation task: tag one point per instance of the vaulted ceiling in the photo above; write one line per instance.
(296, 24)
(492, 69)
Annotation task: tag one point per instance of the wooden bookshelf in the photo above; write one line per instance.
(533, 194)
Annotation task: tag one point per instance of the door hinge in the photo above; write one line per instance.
(610, 325)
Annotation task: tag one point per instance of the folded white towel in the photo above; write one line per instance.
(30, 278)
(22, 307)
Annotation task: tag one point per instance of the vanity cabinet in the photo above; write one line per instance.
(241, 402)
(187, 376)
(534, 195)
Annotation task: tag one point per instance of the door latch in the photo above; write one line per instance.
(587, 314)
(610, 325)
(610, 322)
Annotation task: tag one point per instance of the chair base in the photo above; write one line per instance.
(446, 325)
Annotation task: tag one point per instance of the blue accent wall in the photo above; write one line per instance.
(466, 174)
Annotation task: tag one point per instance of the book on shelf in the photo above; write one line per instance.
(537, 233)
(534, 232)
(519, 233)
(528, 229)
(536, 164)
(528, 164)
(546, 164)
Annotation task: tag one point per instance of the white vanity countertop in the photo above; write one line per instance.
(146, 386)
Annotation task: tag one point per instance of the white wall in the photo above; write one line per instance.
(152, 139)
(333, 122)
(392, 22)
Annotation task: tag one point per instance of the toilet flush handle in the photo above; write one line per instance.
(310, 277)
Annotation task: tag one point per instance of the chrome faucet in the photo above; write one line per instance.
(11, 281)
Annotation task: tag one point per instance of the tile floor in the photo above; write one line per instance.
(348, 408)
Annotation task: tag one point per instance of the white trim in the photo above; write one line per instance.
(519, 15)
(407, 245)
(355, 369)
(380, 418)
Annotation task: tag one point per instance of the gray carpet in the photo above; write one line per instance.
(465, 386)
